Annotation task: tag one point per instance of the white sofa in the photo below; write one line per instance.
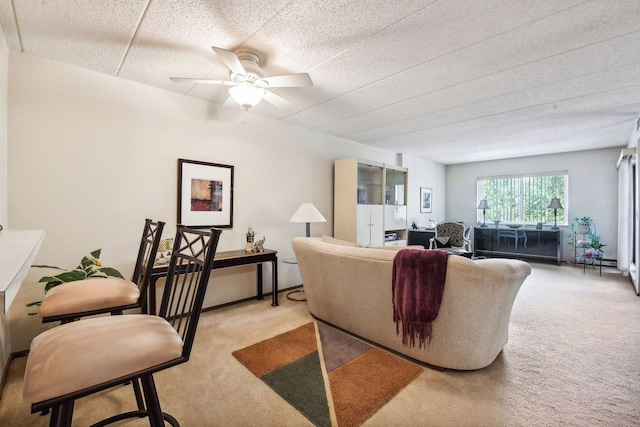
(350, 287)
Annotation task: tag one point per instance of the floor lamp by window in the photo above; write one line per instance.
(555, 205)
(484, 205)
(307, 213)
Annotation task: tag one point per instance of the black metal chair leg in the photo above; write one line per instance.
(138, 393)
(153, 404)
(54, 419)
(66, 414)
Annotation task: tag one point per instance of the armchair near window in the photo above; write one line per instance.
(450, 234)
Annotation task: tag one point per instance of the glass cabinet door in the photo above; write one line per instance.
(394, 189)
(369, 184)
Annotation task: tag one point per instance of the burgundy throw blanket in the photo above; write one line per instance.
(417, 285)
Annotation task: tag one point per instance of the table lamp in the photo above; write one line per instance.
(555, 205)
(484, 205)
(307, 213)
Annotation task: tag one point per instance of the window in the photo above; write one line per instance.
(523, 199)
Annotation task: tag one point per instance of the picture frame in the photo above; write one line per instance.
(426, 200)
(205, 194)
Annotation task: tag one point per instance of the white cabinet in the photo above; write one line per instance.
(369, 220)
(369, 202)
(395, 217)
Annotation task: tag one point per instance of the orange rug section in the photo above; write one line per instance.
(364, 385)
(279, 351)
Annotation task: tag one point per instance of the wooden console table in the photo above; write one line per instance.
(224, 260)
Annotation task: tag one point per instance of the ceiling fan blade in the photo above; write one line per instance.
(230, 59)
(202, 81)
(278, 101)
(289, 80)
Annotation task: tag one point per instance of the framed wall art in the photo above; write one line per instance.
(205, 194)
(426, 202)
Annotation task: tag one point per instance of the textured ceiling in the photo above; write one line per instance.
(454, 81)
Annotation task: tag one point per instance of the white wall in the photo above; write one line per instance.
(5, 348)
(425, 173)
(91, 156)
(593, 189)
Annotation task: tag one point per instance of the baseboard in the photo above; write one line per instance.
(5, 372)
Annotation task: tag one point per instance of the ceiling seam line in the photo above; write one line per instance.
(371, 36)
(439, 56)
(486, 99)
(466, 81)
(133, 37)
(15, 21)
(521, 120)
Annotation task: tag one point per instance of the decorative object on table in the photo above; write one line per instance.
(205, 194)
(497, 223)
(426, 202)
(164, 251)
(87, 269)
(259, 246)
(555, 205)
(432, 223)
(539, 225)
(290, 364)
(250, 236)
(484, 205)
(307, 213)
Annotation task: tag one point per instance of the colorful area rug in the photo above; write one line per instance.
(298, 364)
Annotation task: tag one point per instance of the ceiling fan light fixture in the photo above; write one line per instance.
(247, 95)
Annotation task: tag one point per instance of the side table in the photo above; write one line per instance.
(299, 291)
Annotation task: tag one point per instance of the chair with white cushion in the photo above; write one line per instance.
(80, 358)
(73, 300)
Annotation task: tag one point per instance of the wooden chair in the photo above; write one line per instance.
(73, 300)
(80, 358)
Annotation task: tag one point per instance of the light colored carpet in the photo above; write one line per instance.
(573, 359)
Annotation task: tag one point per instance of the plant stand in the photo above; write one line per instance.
(593, 262)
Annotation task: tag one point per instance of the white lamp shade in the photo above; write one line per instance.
(307, 213)
(484, 204)
(555, 204)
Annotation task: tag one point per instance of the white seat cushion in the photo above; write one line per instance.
(88, 295)
(88, 352)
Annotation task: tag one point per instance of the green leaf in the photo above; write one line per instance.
(47, 266)
(35, 303)
(85, 263)
(97, 274)
(51, 285)
(96, 253)
(110, 271)
(48, 279)
(72, 276)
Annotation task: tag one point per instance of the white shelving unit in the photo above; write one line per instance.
(370, 202)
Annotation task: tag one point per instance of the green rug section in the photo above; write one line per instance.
(301, 384)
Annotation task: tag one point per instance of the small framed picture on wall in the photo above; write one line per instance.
(426, 202)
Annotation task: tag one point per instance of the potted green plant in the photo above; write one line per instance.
(596, 246)
(90, 266)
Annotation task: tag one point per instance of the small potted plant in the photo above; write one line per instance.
(596, 246)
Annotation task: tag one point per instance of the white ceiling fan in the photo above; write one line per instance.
(249, 86)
